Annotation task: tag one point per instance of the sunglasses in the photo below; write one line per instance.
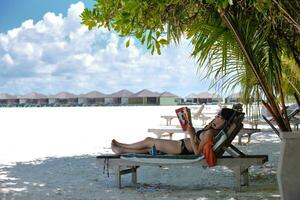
(219, 116)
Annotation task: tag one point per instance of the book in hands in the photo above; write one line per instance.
(183, 115)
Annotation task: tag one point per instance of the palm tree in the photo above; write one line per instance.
(240, 51)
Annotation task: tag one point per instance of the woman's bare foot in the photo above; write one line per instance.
(116, 149)
(116, 143)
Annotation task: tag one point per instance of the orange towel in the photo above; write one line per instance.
(209, 153)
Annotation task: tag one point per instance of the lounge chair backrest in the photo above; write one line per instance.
(219, 139)
(235, 126)
(293, 113)
(271, 125)
(232, 128)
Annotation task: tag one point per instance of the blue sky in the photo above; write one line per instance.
(45, 49)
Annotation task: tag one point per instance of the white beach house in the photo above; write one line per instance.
(168, 98)
(233, 98)
(8, 100)
(33, 98)
(63, 98)
(92, 98)
(118, 98)
(144, 97)
(203, 98)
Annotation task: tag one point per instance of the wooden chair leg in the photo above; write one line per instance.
(237, 173)
(249, 137)
(245, 177)
(118, 176)
(240, 139)
(134, 175)
(241, 177)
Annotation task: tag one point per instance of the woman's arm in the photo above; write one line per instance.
(195, 141)
(197, 144)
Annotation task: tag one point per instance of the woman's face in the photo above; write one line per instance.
(218, 122)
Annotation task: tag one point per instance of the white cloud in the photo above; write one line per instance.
(7, 60)
(58, 53)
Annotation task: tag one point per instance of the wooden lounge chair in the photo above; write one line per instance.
(246, 132)
(236, 160)
(293, 120)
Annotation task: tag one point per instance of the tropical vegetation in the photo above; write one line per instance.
(253, 44)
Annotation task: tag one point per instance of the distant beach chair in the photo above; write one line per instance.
(292, 117)
(198, 113)
(264, 118)
(271, 125)
(168, 119)
(236, 161)
(293, 112)
(246, 132)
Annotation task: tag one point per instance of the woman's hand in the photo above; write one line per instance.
(189, 117)
(190, 131)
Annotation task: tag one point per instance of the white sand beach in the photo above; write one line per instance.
(49, 153)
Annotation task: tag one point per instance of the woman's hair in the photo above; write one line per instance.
(226, 113)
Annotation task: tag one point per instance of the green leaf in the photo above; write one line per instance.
(143, 39)
(152, 50)
(163, 42)
(149, 37)
(157, 34)
(157, 45)
(126, 14)
(149, 46)
(127, 43)
(158, 51)
(139, 34)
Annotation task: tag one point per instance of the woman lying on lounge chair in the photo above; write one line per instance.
(192, 145)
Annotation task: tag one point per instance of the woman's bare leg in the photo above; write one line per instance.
(120, 150)
(137, 145)
(165, 146)
(146, 143)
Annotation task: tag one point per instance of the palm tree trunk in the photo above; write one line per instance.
(284, 112)
(268, 92)
(297, 99)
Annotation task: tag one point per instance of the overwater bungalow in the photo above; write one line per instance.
(233, 98)
(119, 98)
(239, 98)
(204, 98)
(33, 99)
(168, 98)
(144, 97)
(8, 100)
(63, 98)
(209, 98)
(92, 98)
(191, 99)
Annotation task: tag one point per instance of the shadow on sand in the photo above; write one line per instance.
(79, 178)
